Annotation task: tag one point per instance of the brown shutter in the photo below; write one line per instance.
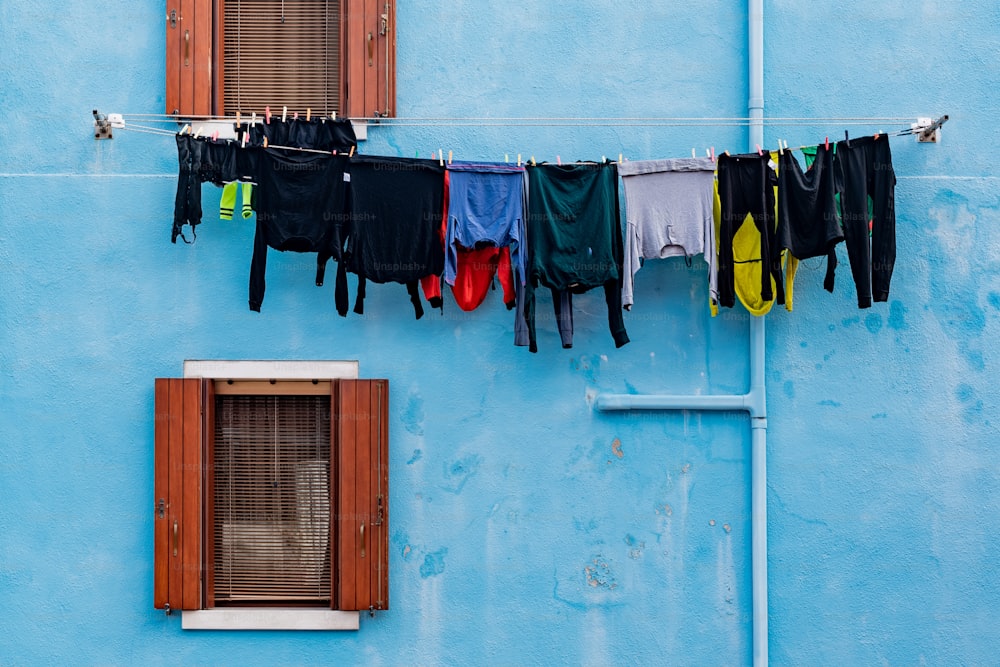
(361, 440)
(370, 55)
(178, 449)
(190, 31)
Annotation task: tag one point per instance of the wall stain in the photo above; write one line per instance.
(831, 403)
(897, 316)
(636, 547)
(789, 388)
(457, 473)
(599, 574)
(413, 415)
(848, 322)
(433, 564)
(616, 447)
(873, 322)
(994, 299)
(417, 455)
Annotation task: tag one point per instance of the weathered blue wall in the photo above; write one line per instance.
(526, 527)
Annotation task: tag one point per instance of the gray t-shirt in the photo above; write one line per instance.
(668, 208)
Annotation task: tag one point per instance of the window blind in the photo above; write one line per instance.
(272, 499)
(281, 53)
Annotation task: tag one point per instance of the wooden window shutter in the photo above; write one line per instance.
(361, 440)
(179, 448)
(190, 59)
(370, 52)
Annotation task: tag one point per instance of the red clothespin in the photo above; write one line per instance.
(826, 144)
(713, 153)
(558, 160)
(759, 151)
(267, 115)
(215, 136)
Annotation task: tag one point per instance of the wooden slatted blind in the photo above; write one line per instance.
(272, 509)
(281, 53)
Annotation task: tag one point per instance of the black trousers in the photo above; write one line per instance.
(865, 172)
(746, 186)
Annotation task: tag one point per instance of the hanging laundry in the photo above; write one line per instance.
(475, 273)
(808, 221)
(200, 160)
(396, 212)
(865, 172)
(486, 204)
(668, 211)
(301, 207)
(746, 192)
(323, 134)
(575, 238)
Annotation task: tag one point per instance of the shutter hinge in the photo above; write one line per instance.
(172, 17)
(166, 607)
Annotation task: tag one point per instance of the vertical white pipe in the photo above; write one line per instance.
(758, 415)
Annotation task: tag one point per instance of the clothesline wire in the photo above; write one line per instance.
(549, 119)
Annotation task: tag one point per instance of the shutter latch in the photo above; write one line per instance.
(173, 18)
(161, 508)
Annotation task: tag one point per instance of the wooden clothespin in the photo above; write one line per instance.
(351, 154)
(237, 119)
(449, 157)
(265, 142)
(284, 113)
(619, 158)
(533, 161)
(267, 115)
(186, 128)
(309, 113)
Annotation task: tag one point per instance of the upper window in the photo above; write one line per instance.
(333, 57)
(271, 493)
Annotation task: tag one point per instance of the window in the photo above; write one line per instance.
(271, 493)
(335, 57)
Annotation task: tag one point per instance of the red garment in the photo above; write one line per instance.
(476, 269)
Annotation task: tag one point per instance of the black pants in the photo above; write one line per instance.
(746, 186)
(865, 171)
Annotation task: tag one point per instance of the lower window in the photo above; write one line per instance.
(271, 493)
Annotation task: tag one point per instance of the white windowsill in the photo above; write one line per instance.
(234, 618)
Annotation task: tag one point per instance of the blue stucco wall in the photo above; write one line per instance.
(527, 528)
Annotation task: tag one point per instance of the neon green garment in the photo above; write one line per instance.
(227, 203)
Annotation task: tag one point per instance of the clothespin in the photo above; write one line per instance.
(416, 153)
(532, 160)
(253, 118)
(759, 151)
(449, 157)
(506, 158)
(693, 153)
(619, 158)
(186, 128)
(877, 134)
(847, 139)
(198, 132)
(265, 142)
(604, 158)
(433, 155)
(781, 149)
(826, 143)
(284, 113)
(215, 136)
(518, 159)
(243, 140)
(351, 154)
(726, 153)
(713, 153)
(295, 115)
(237, 119)
(267, 115)
(558, 160)
(441, 157)
(309, 113)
